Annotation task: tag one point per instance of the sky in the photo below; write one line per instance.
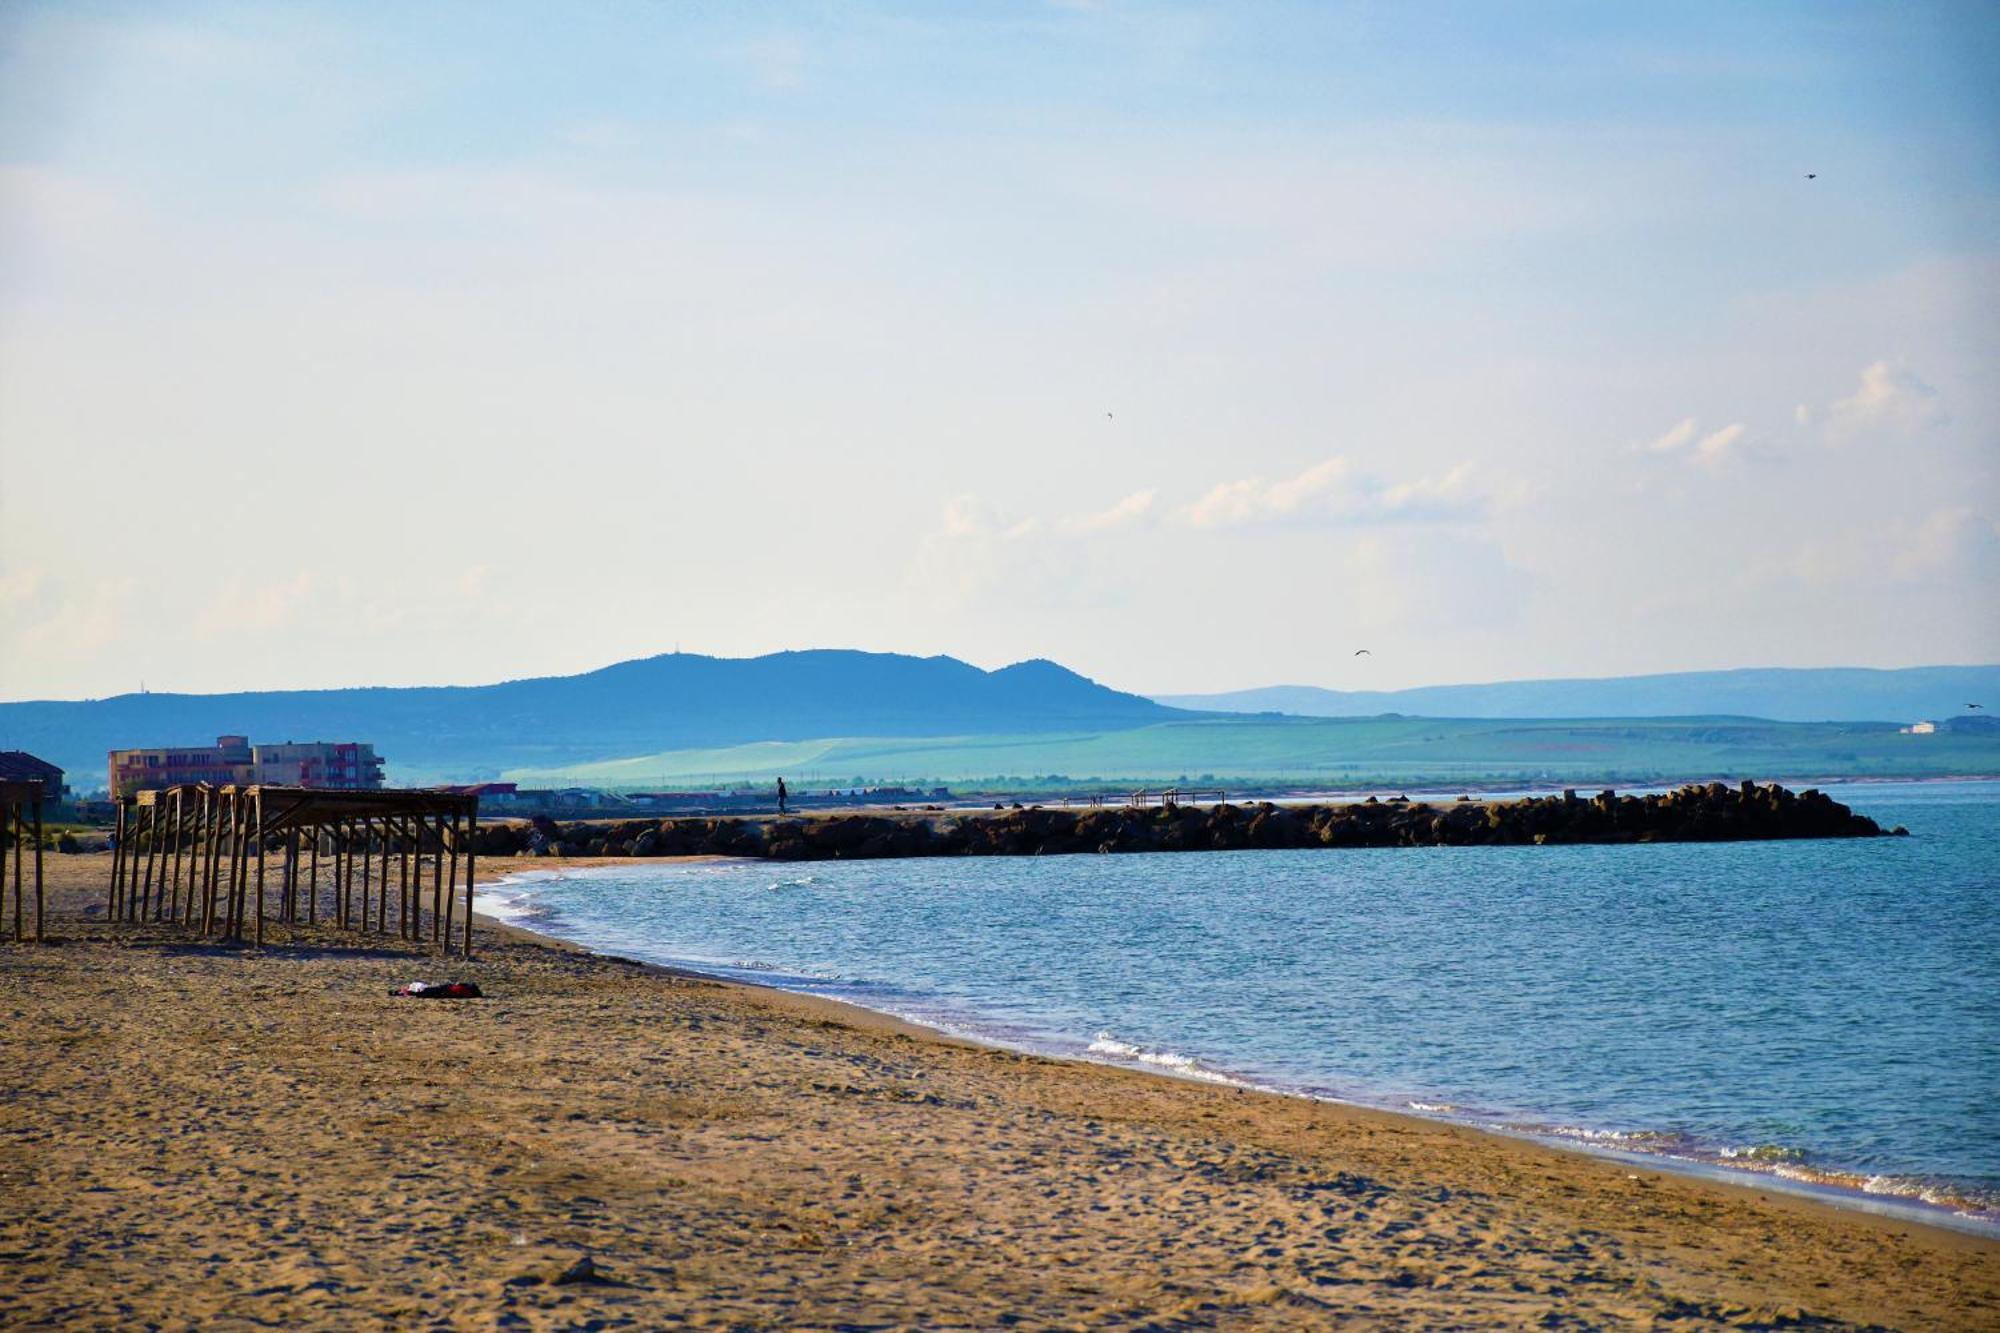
(1194, 347)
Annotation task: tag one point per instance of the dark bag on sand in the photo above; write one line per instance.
(439, 990)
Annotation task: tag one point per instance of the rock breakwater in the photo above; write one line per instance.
(1712, 813)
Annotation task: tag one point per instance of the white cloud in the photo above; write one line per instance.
(1335, 492)
(1891, 402)
(1674, 440)
(1686, 440)
(1133, 509)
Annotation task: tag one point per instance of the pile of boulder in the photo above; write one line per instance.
(1715, 812)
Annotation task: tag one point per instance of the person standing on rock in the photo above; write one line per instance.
(781, 796)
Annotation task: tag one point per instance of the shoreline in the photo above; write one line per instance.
(1843, 1191)
(207, 1133)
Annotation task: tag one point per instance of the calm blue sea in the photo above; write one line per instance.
(1826, 1012)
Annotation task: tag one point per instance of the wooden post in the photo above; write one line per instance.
(151, 815)
(471, 852)
(173, 894)
(198, 836)
(38, 872)
(14, 809)
(235, 804)
(367, 869)
(235, 808)
(260, 867)
(451, 885)
(117, 863)
(211, 821)
(239, 900)
(382, 903)
(409, 929)
(437, 885)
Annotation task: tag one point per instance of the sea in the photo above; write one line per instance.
(1820, 1016)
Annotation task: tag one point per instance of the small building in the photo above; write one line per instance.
(336, 765)
(20, 766)
(1920, 729)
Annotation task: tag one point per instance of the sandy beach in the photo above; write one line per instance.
(192, 1134)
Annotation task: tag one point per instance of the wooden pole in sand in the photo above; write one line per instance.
(204, 837)
(471, 852)
(117, 862)
(451, 885)
(150, 887)
(211, 822)
(260, 867)
(347, 875)
(367, 869)
(234, 806)
(181, 850)
(38, 872)
(14, 809)
(437, 885)
(403, 875)
(382, 902)
(312, 894)
(242, 896)
(233, 812)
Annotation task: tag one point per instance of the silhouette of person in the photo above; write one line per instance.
(781, 796)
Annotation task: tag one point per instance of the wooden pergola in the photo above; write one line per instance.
(195, 855)
(21, 817)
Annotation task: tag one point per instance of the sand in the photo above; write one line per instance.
(192, 1134)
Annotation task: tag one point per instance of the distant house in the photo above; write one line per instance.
(20, 766)
(1919, 729)
(233, 759)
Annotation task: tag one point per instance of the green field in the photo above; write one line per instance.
(1317, 751)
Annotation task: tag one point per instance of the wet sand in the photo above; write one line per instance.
(194, 1134)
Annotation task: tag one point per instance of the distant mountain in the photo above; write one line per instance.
(1783, 694)
(675, 701)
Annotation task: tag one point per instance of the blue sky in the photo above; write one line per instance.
(1190, 346)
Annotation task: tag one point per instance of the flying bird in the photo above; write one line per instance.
(1975, 705)
(1363, 652)
(1812, 175)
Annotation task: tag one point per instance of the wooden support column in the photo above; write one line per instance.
(175, 822)
(38, 872)
(437, 886)
(312, 896)
(260, 867)
(451, 885)
(14, 809)
(198, 839)
(347, 874)
(407, 908)
(382, 902)
(211, 820)
(151, 814)
(117, 864)
(290, 909)
(367, 869)
(471, 853)
(239, 899)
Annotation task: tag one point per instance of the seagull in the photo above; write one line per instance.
(1812, 175)
(1107, 416)
(1975, 705)
(1363, 652)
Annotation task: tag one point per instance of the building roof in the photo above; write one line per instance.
(20, 766)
